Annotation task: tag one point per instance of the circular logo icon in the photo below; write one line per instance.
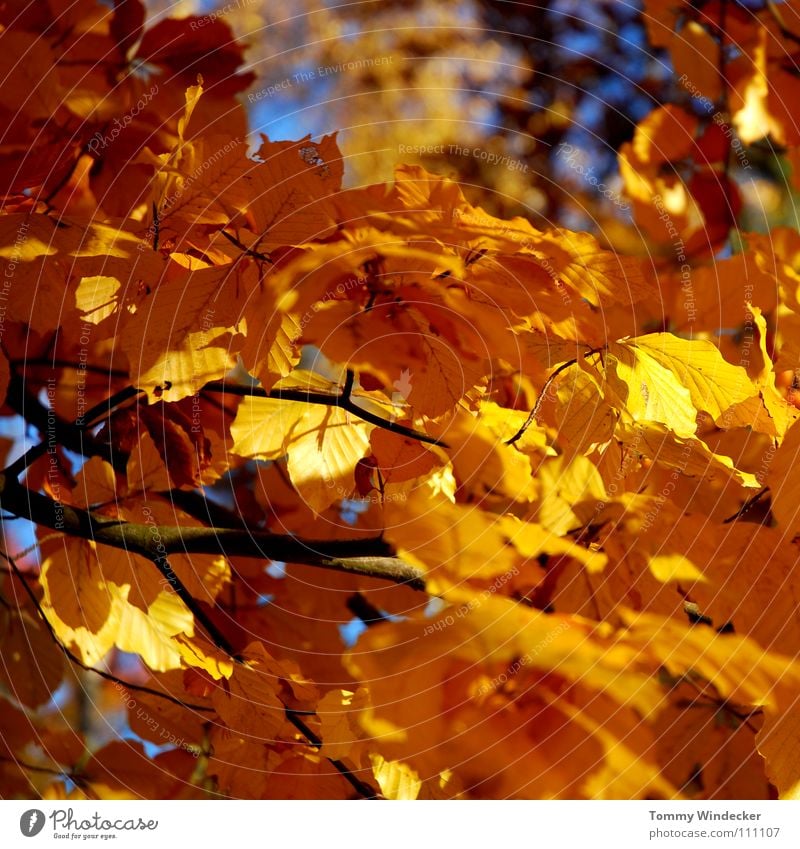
(31, 822)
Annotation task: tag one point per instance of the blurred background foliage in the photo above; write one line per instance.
(431, 83)
(527, 104)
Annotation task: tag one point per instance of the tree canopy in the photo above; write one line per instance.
(321, 487)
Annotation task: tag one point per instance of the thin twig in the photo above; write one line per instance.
(247, 251)
(67, 434)
(103, 409)
(537, 406)
(61, 773)
(363, 789)
(292, 715)
(326, 399)
(73, 658)
(350, 379)
(91, 418)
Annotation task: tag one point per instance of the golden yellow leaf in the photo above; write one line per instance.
(768, 412)
(662, 378)
(453, 543)
(571, 491)
(95, 297)
(183, 332)
(713, 384)
(397, 780)
(74, 586)
(46, 258)
(674, 567)
(209, 187)
(148, 633)
(707, 749)
(776, 743)
(289, 190)
(647, 391)
(481, 460)
(323, 445)
(576, 407)
(686, 455)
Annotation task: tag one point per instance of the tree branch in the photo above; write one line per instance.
(68, 434)
(372, 557)
(75, 436)
(342, 400)
(293, 716)
(367, 557)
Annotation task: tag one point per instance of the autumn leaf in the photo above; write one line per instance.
(32, 667)
(323, 445)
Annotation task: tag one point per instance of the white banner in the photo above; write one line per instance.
(345, 825)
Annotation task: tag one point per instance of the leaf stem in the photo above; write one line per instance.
(537, 406)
